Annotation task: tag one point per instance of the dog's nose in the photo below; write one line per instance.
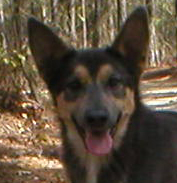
(96, 118)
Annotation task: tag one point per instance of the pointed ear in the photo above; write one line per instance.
(45, 46)
(132, 42)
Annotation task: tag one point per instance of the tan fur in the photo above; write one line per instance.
(128, 107)
(93, 163)
(82, 73)
(65, 109)
(104, 72)
(125, 104)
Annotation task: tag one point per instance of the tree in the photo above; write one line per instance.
(176, 23)
(81, 23)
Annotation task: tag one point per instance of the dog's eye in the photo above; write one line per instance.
(74, 85)
(114, 82)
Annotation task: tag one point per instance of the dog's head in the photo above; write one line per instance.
(94, 89)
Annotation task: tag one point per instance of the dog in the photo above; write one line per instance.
(108, 135)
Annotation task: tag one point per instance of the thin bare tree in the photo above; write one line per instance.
(84, 23)
(73, 22)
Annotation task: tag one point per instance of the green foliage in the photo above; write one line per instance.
(13, 59)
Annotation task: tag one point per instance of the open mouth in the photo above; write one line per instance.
(98, 142)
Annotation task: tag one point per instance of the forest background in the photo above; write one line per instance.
(26, 117)
(81, 23)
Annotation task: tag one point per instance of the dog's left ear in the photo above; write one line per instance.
(47, 48)
(132, 42)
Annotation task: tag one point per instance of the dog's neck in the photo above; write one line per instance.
(93, 165)
(90, 167)
(83, 160)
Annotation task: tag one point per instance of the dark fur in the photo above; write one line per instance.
(148, 151)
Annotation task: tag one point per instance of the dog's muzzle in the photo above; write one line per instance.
(98, 131)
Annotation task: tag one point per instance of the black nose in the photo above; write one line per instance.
(96, 118)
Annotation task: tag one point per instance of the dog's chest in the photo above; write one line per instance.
(93, 166)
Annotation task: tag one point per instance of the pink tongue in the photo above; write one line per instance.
(99, 145)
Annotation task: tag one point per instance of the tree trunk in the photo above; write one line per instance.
(149, 7)
(1, 14)
(16, 22)
(73, 22)
(111, 27)
(36, 9)
(154, 49)
(2, 36)
(95, 34)
(53, 5)
(176, 23)
(118, 15)
(84, 25)
(124, 10)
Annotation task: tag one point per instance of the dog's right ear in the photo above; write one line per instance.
(132, 41)
(45, 46)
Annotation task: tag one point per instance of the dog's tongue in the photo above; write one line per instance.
(99, 144)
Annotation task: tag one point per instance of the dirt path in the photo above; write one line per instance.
(160, 93)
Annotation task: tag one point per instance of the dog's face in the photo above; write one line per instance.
(94, 89)
(96, 99)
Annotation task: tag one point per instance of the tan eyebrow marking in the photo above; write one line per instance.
(82, 73)
(104, 72)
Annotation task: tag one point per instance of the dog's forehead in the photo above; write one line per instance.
(94, 62)
(104, 71)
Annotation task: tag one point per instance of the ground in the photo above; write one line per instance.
(30, 150)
